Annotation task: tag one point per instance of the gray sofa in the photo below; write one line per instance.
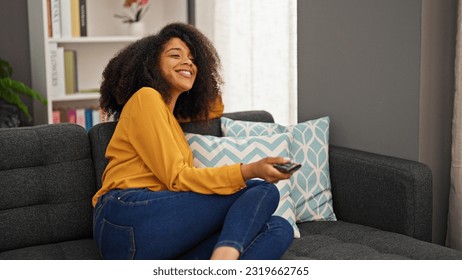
(49, 174)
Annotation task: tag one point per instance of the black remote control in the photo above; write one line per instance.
(288, 167)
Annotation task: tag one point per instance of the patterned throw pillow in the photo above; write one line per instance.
(311, 189)
(210, 151)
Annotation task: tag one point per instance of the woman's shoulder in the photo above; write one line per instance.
(145, 100)
(148, 93)
(146, 96)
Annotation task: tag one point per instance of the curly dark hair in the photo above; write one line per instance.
(137, 66)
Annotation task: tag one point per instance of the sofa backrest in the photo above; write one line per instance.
(101, 134)
(47, 181)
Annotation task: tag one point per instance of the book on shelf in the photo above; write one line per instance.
(56, 116)
(55, 14)
(50, 29)
(89, 118)
(66, 22)
(70, 71)
(80, 117)
(83, 17)
(71, 115)
(75, 18)
(85, 117)
(79, 18)
(57, 70)
(96, 116)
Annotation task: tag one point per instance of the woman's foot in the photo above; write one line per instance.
(225, 253)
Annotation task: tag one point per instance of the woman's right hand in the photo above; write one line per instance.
(264, 169)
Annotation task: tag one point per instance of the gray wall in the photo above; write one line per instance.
(359, 63)
(14, 45)
(383, 70)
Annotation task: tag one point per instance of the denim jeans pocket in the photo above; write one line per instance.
(116, 242)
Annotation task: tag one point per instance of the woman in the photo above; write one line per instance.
(153, 203)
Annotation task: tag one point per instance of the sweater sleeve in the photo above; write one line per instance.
(157, 142)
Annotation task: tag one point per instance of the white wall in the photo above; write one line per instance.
(159, 13)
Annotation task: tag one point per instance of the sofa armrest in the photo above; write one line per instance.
(383, 192)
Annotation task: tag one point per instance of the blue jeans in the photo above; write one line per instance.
(141, 224)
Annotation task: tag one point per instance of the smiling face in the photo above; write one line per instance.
(177, 66)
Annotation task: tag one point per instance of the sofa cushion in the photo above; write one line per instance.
(338, 240)
(211, 151)
(47, 184)
(82, 249)
(311, 189)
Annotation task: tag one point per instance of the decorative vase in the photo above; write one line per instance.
(136, 28)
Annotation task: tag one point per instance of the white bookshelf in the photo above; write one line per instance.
(106, 36)
(93, 40)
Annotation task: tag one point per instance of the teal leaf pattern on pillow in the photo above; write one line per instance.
(211, 151)
(311, 188)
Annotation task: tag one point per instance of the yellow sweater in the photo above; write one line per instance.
(148, 149)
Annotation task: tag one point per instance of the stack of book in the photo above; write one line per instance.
(85, 117)
(67, 18)
(64, 78)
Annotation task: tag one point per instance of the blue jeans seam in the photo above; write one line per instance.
(119, 199)
(267, 225)
(255, 213)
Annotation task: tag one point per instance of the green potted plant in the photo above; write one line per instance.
(10, 102)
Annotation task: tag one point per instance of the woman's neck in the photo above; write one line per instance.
(173, 99)
(171, 106)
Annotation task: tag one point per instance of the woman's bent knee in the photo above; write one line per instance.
(271, 193)
(282, 229)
